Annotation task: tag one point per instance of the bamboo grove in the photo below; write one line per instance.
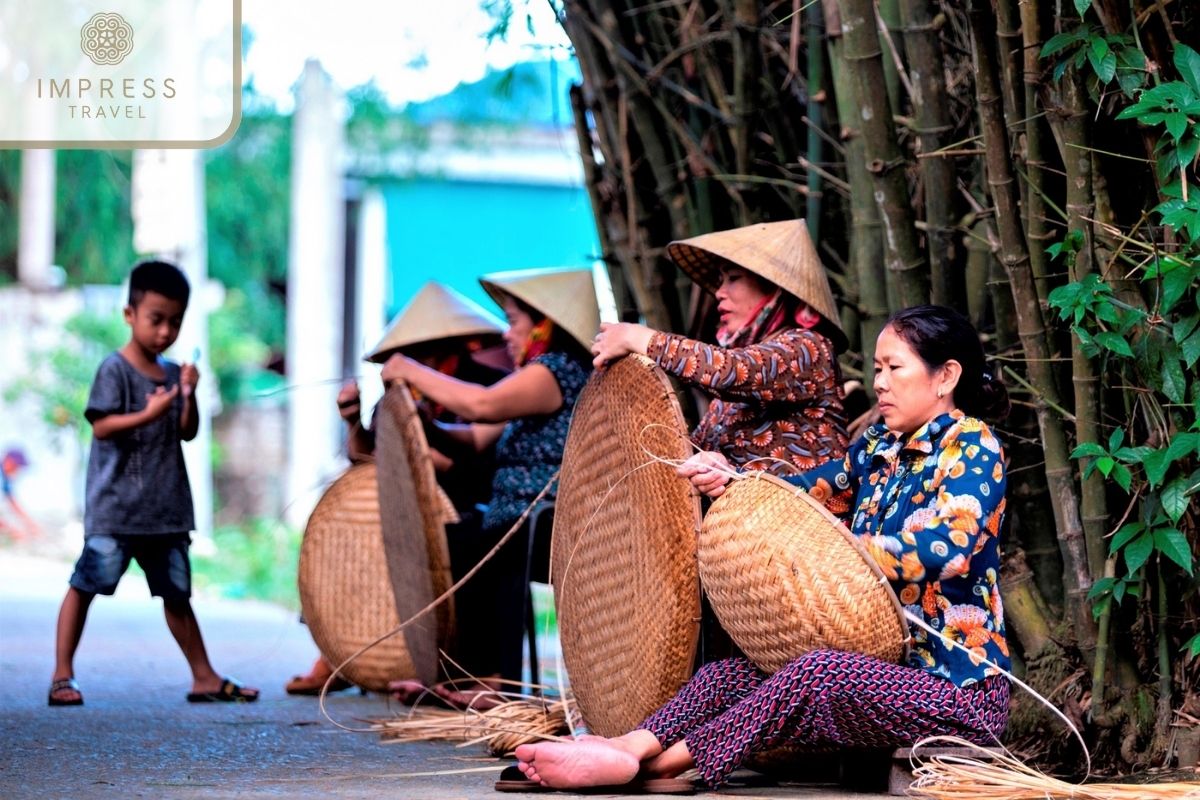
(1028, 161)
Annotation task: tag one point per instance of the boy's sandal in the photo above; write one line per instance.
(513, 780)
(65, 685)
(230, 692)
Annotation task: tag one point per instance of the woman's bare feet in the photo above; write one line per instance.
(412, 692)
(576, 765)
(480, 698)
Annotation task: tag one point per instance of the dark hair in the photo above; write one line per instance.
(159, 277)
(939, 334)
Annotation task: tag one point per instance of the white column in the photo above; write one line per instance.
(373, 288)
(169, 223)
(35, 251)
(316, 253)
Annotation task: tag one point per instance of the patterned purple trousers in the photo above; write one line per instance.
(824, 699)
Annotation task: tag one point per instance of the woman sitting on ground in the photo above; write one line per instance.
(928, 502)
(773, 373)
(552, 315)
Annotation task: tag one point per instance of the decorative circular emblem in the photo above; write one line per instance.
(106, 38)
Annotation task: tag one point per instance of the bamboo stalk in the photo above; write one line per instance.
(927, 76)
(1037, 232)
(814, 35)
(1084, 375)
(884, 159)
(866, 243)
(1031, 328)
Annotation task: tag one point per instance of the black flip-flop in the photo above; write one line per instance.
(513, 780)
(230, 692)
(58, 686)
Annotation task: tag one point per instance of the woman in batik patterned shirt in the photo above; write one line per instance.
(773, 374)
(927, 491)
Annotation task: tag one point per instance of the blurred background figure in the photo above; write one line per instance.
(14, 523)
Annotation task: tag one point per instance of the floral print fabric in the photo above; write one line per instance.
(530, 450)
(928, 508)
(779, 400)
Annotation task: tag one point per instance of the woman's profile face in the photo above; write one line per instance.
(740, 294)
(520, 325)
(907, 389)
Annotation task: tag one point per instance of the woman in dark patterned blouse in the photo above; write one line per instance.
(773, 373)
(552, 315)
(928, 504)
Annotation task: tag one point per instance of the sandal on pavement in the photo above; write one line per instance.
(230, 692)
(65, 685)
(513, 780)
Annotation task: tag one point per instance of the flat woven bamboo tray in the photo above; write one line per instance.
(784, 576)
(623, 552)
(412, 509)
(345, 591)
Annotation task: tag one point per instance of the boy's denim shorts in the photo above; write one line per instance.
(162, 556)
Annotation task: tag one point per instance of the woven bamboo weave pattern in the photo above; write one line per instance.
(345, 592)
(414, 535)
(785, 577)
(623, 549)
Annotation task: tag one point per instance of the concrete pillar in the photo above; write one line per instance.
(35, 250)
(373, 289)
(315, 306)
(169, 223)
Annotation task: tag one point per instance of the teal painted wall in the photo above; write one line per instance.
(455, 231)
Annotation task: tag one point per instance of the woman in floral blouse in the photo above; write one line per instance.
(927, 491)
(552, 315)
(773, 373)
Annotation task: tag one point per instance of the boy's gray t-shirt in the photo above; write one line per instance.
(136, 481)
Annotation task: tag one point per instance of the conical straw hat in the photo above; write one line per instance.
(566, 296)
(779, 252)
(435, 312)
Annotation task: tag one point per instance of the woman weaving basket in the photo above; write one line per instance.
(774, 371)
(927, 491)
(448, 332)
(552, 315)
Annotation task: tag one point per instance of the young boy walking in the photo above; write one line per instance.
(139, 504)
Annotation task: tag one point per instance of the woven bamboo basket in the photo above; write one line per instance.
(623, 552)
(345, 591)
(413, 513)
(784, 576)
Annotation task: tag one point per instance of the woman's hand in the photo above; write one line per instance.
(709, 472)
(617, 339)
(396, 368)
(349, 403)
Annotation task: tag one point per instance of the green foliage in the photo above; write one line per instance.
(93, 224)
(1109, 55)
(256, 560)
(61, 377)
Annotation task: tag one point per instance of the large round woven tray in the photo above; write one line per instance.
(414, 535)
(345, 591)
(623, 554)
(784, 576)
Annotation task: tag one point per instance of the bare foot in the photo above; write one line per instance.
(473, 699)
(576, 765)
(409, 692)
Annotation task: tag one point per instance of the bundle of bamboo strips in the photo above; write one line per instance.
(513, 722)
(1007, 778)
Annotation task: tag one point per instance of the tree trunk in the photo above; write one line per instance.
(885, 161)
(932, 112)
(1015, 257)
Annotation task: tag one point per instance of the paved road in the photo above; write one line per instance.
(137, 737)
